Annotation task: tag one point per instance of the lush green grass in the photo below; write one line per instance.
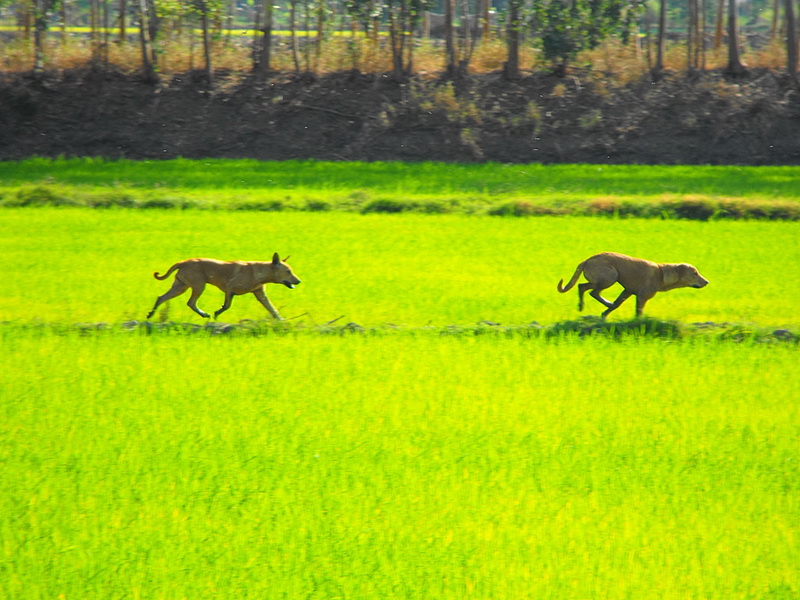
(409, 464)
(686, 192)
(396, 467)
(73, 265)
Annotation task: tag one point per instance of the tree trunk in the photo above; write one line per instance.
(123, 10)
(94, 26)
(449, 36)
(306, 29)
(39, 34)
(144, 37)
(773, 30)
(511, 70)
(791, 40)
(321, 10)
(265, 60)
(293, 34)
(662, 26)
(735, 66)
(106, 33)
(719, 24)
(206, 42)
(63, 23)
(398, 19)
(691, 38)
(485, 26)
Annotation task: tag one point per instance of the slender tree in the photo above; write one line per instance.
(450, 37)
(41, 16)
(146, 43)
(720, 24)
(773, 30)
(396, 14)
(513, 33)
(662, 31)
(735, 66)
(693, 39)
(263, 44)
(205, 11)
(123, 15)
(791, 40)
(295, 44)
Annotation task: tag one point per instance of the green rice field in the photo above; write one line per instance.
(76, 265)
(701, 193)
(424, 424)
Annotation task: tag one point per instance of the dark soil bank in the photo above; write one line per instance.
(704, 119)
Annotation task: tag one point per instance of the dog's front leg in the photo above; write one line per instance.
(641, 300)
(225, 305)
(616, 304)
(262, 297)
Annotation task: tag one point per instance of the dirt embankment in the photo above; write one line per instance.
(704, 119)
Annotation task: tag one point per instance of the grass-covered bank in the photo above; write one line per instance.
(700, 193)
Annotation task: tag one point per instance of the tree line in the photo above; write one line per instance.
(560, 29)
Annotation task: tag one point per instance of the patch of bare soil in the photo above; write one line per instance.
(703, 119)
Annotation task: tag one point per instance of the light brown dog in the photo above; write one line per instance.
(234, 278)
(639, 277)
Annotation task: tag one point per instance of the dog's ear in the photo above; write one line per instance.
(276, 259)
(286, 259)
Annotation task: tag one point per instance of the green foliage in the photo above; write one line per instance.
(566, 27)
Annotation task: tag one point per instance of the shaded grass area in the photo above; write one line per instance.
(585, 327)
(697, 193)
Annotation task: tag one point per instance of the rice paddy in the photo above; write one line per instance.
(407, 433)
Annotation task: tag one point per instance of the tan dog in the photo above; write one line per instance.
(639, 277)
(234, 278)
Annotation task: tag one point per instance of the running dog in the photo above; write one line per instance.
(639, 277)
(234, 278)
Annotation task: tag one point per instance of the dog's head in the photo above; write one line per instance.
(683, 275)
(283, 273)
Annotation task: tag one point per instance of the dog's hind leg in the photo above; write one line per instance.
(595, 293)
(192, 303)
(226, 305)
(581, 290)
(617, 303)
(178, 287)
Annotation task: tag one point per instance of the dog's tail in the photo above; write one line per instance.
(165, 275)
(562, 288)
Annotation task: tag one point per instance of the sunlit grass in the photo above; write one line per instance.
(75, 265)
(400, 467)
